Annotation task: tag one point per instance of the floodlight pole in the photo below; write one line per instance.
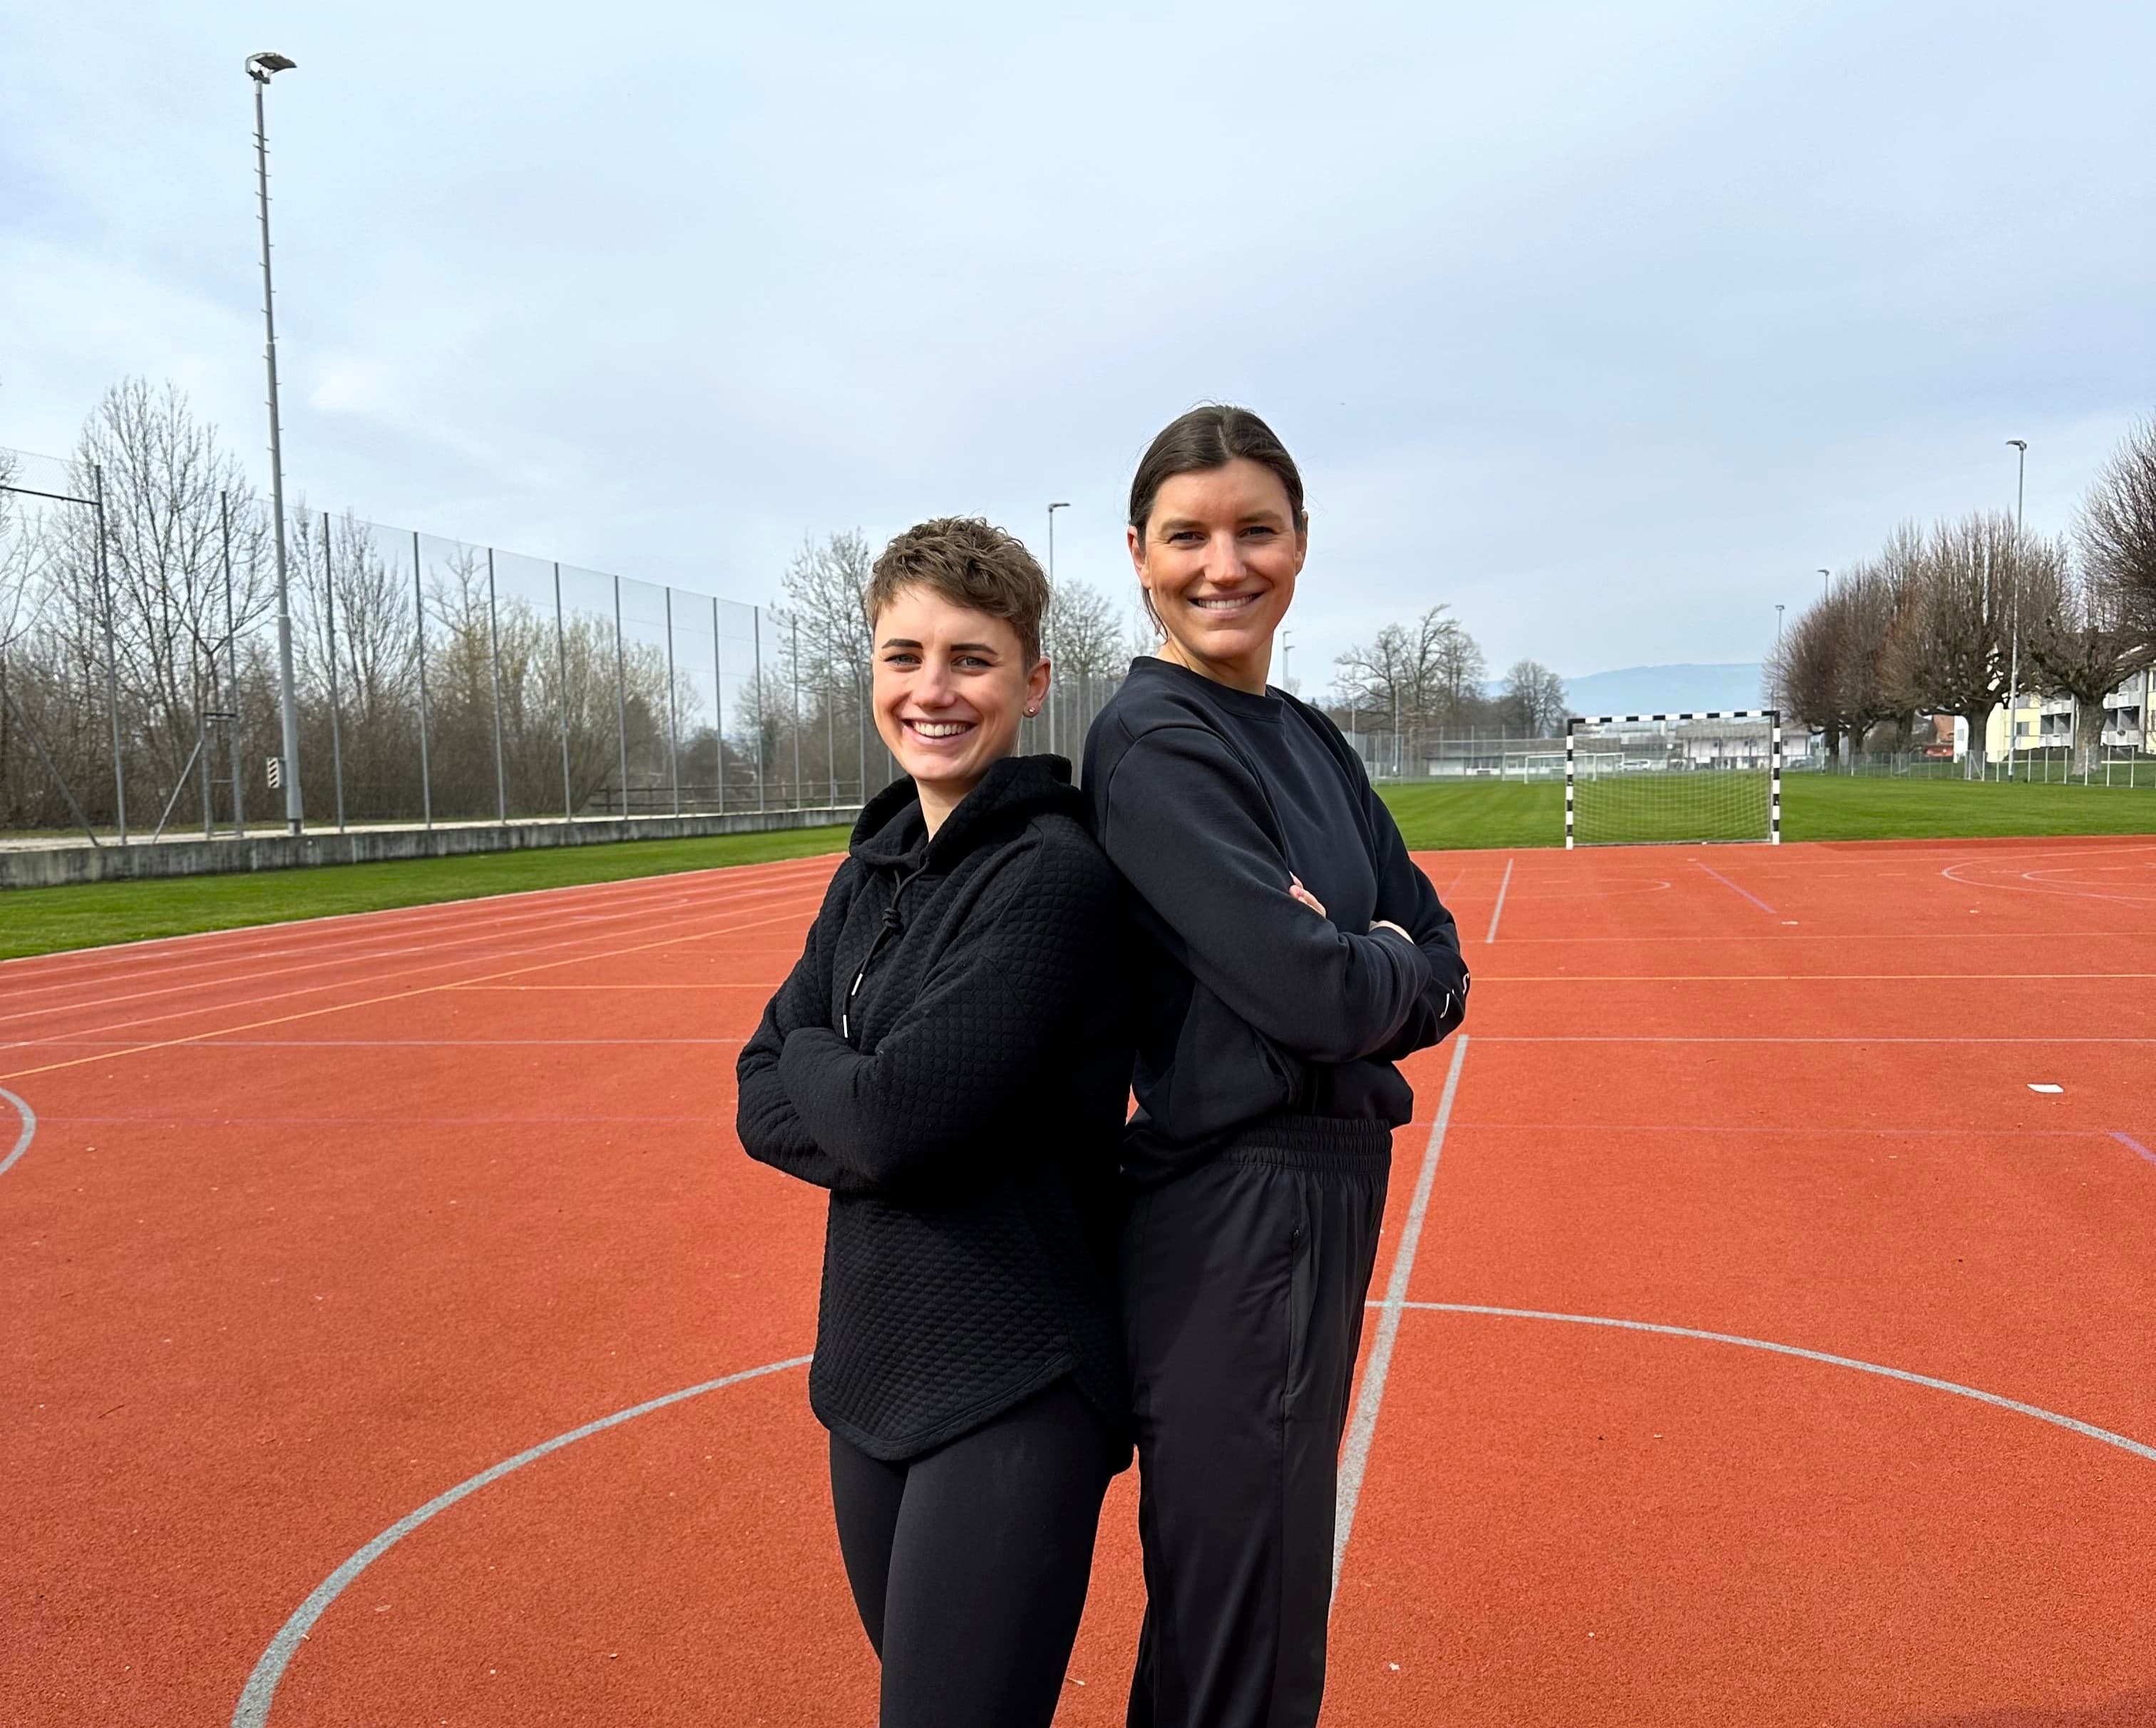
(1287, 648)
(1060, 504)
(1823, 583)
(260, 67)
(2014, 674)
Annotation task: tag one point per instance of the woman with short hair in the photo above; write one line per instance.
(1291, 954)
(950, 1059)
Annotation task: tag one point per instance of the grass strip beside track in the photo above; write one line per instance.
(1814, 806)
(46, 921)
(1462, 814)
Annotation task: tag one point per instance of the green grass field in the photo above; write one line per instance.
(1468, 813)
(42, 920)
(1814, 806)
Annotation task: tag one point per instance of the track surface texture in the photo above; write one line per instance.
(395, 1333)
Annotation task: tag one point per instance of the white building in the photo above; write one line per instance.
(2047, 722)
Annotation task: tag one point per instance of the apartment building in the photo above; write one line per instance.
(2047, 722)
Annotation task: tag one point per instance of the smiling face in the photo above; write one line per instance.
(951, 685)
(1218, 556)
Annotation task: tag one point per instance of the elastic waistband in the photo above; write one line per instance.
(1358, 1145)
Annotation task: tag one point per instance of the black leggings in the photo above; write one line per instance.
(969, 1564)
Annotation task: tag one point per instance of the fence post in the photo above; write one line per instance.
(111, 654)
(336, 699)
(419, 617)
(621, 696)
(562, 670)
(672, 726)
(494, 665)
(232, 662)
(756, 635)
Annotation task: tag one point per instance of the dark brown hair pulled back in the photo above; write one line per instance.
(1208, 437)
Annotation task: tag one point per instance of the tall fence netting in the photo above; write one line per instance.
(435, 680)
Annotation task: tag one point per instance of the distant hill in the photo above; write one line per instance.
(1664, 689)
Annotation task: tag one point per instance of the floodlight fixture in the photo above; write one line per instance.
(261, 66)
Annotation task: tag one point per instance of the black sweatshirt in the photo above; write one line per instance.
(951, 1057)
(1207, 799)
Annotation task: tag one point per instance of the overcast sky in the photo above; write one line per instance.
(1606, 324)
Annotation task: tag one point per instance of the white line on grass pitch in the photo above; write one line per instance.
(1355, 1455)
(2089, 1430)
(254, 1708)
(1498, 911)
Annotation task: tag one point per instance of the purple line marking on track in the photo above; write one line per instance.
(1734, 889)
(2132, 1145)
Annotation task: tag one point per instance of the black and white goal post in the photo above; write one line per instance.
(1673, 778)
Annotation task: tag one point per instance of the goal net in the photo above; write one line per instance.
(1647, 777)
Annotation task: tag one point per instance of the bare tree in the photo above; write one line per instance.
(1457, 671)
(1947, 653)
(826, 586)
(1413, 676)
(1533, 702)
(167, 485)
(1082, 634)
(2117, 529)
(1141, 634)
(1868, 599)
(2081, 640)
(1801, 678)
(1379, 679)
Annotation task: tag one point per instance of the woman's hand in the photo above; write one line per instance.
(1297, 891)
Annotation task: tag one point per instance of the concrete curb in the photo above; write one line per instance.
(59, 866)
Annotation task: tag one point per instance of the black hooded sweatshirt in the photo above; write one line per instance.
(951, 1057)
(1209, 800)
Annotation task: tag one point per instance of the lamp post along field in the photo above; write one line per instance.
(2020, 447)
(261, 68)
(1060, 504)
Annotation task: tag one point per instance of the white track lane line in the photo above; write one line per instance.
(371, 949)
(29, 1129)
(253, 1710)
(1355, 1454)
(1498, 911)
(2072, 1424)
(401, 927)
(373, 978)
(400, 995)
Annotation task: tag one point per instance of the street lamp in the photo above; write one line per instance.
(261, 68)
(2020, 448)
(1287, 647)
(1060, 504)
(1823, 577)
(1778, 625)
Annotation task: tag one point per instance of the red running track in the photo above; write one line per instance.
(321, 1224)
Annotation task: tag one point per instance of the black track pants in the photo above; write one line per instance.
(969, 1565)
(1243, 1285)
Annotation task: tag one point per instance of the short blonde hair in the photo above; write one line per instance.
(971, 563)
